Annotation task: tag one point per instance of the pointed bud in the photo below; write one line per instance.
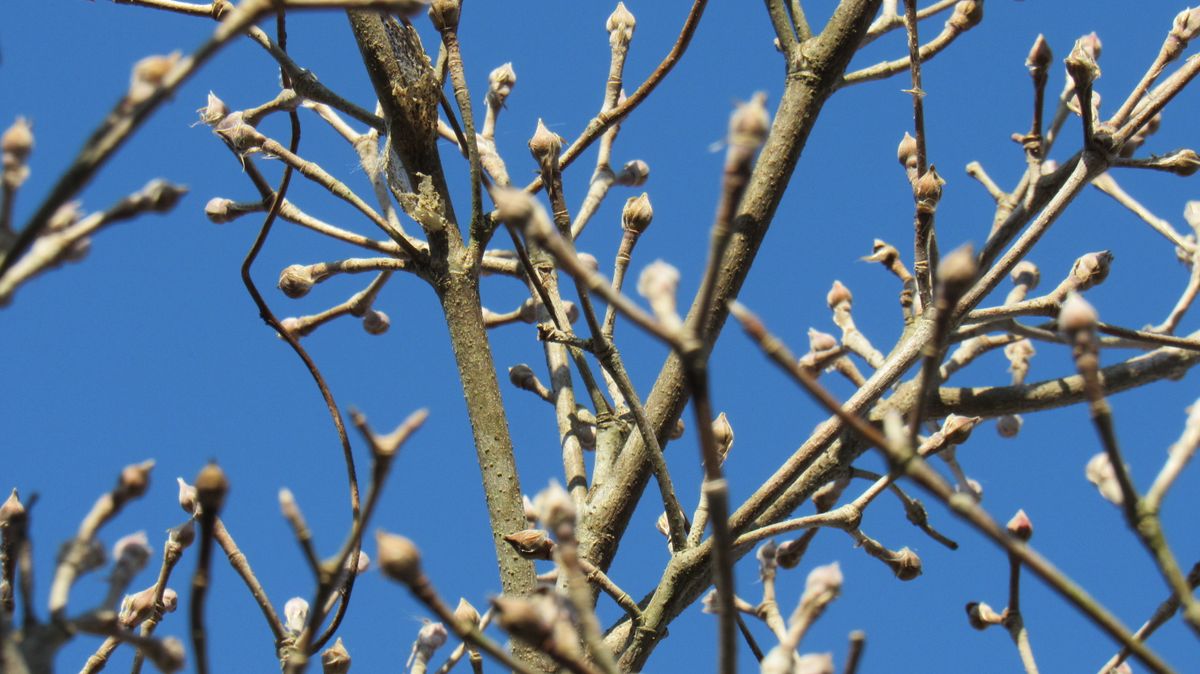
(240, 136)
(620, 27)
(500, 84)
(532, 544)
(465, 613)
(791, 552)
(335, 659)
(837, 295)
(12, 511)
(1076, 314)
(749, 124)
(545, 145)
(1091, 269)
(555, 508)
(524, 619)
(821, 341)
(906, 152)
(927, 190)
(637, 214)
(1081, 62)
(135, 479)
(187, 497)
(132, 550)
(432, 636)
(445, 14)
(213, 111)
(17, 140)
(296, 280)
(1039, 55)
(1100, 472)
(1020, 526)
(375, 322)
(957, 429)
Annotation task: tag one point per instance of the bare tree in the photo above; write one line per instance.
(454, 224)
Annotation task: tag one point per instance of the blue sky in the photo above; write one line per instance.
(150, 348)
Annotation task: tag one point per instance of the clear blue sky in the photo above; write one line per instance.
(150, 348)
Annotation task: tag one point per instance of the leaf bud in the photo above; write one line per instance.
(1020, 526)
(376, 322)
(637, 214)
(239, 135)
(218, 210)
(398, 557)
(766, 558)
(957, 271)
(821, 341)
(187, 497)
(815, 663)
(528, 620)
(677, 430)
(184, 534)
(957, 429)
(132, 550)
(432, 636)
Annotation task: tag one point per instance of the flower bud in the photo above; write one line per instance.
(466, 614)
(183, 535)
(750, 123)
(1026, 273)
(335, 659)
(213, 111)
(211, 488)
(218, 210)
(906, 154)
(957, 429)
(821, 341)
(187, 497)
(500, 84)
(17, 141)
(1009, 425)
(1100, 472)
(240, 136)
(296, 280)
(432, 636)
(723, 435)
(957, 271)
(1081, 62)
(620, 26)
(905, 564)
(12, 512)
(815, 663)
(1090, 270)
(135, 479)
(531, 544)
(132, 550)
(589, 262)
(658, 283)
(148, 75)
(1020, 526)
(637, 214)
(1076, 314)
(555, 508)
(528, 620)
(927, 190)
(1181, 162)
(295, 613)
(398, 557)
(789, 553)
(634, 174)
(766, 557)
(967, 14)
(376, 322)
(677, 430)
(822, 586)
(445, 14)
(981, 616)
(522, 376)
(837, 295)
(545, 145)
(1039, 55)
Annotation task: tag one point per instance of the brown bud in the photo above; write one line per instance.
(981, 616)
(445, 14)
(335, 659)
(240, 136)
(528, 620)
(1081, 62)
(545, 144)
(465, 613)
(1020, 526)
(376, 322)
(906, 153)
(1090, 270)
(677, 430)
(532, 544)
(218, 210)
(967, 14)
(1100, 472)
(12, 511)
(750, 122)
(398, 557)
(1180, 162)
(927, 190)
(822, 585)
(211, 488)
(148, 75)
(905, 564)
(213, 111)
(135, 479)
(837, 295)
(790, 552)
(883, 253)
(957, 429)
(637, 214)
(522, 376)
(821, 341)
(1039, 55)
(184, 534)
(17, 141)
(555, 508)
(957, 271)
(1026, 273)
(500, 84)
(723, 435)
(296, 280)
(187, 497)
